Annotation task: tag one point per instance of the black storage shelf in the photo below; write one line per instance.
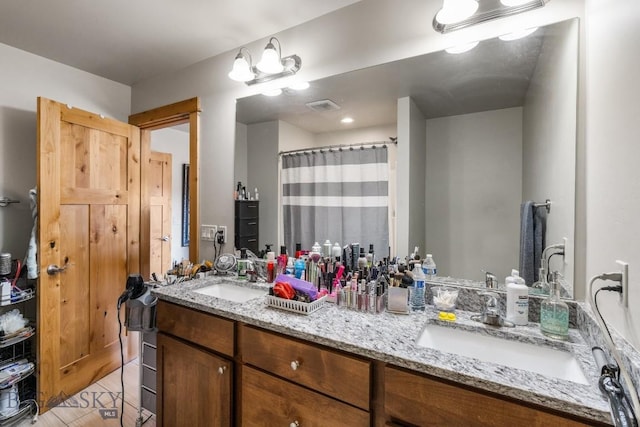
(247, 219)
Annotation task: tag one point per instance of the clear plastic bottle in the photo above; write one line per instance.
(429, 267)
(517, 299)
(554, 313)
(417, 292)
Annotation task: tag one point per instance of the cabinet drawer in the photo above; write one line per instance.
(419, 400)
(149, 338)
(247, 227)
(269, 401)
(204, 329)
(246, 209)
(249, 242)
(334, 374)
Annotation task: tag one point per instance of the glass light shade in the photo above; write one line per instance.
(271, 63)
(241, 71)
(518, 34)
(462, 48)
(456, 10)
(511, 3)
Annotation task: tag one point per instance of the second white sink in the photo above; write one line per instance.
(515, 354)
(231, 293)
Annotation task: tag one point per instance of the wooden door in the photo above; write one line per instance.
(160, 212)
(194, 386)
(89, 226)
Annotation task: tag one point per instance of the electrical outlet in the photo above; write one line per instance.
(208, 232)
(222, 234)
(624, 270)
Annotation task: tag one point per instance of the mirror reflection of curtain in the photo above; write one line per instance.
(336, 194)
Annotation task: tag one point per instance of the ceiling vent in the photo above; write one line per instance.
(323, 105)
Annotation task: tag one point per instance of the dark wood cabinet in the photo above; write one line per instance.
(247, 216)
(194, 375)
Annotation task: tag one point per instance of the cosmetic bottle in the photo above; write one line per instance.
(243, 263)
(326, 248)
(298, 269)
(271, 267)
(282, 260)
(370, 256)
(554, 313)
(362, 260)
(298, 253)
(517, 299)
(336, 251)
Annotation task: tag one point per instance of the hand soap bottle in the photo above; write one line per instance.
(554, 313)
(517, 299)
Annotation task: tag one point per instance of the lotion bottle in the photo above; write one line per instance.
(517, 299)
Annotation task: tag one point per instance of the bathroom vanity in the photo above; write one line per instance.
(226, 363)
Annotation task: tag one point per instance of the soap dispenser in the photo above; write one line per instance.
(517, 299)
(554, 313)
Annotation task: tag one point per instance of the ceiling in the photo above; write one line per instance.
(129, 41)
(494, 75)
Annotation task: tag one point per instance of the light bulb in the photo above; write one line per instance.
(456, 10)
(272, 92)
(241, 71)
(270, 62)
(299, 85)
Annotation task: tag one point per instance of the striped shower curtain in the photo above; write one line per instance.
(339, 195)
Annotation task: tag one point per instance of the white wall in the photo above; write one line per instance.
(410, 185)
(357, 136)
(474, 191)
(176, 143)
(364, 34)
(549, 139)
(613, 152)
(262, 143)
(293, 138)
(24, 77)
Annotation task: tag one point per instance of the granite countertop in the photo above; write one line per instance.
(391, 338)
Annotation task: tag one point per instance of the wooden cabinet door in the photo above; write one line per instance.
(194, 386)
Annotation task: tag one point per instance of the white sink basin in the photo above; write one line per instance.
(231, 292)
(515, 354)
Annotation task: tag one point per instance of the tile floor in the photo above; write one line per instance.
(78, 412)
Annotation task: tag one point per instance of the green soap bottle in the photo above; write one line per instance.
(554, 313)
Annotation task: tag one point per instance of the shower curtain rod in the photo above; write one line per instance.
(329, 147)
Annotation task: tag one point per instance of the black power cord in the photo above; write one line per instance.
(121, 363)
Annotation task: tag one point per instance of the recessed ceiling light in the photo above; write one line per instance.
(518, 34)
(462, 48)
(272, 92)
(346, 120)
(299, 85)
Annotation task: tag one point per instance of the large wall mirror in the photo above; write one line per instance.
(479, 133)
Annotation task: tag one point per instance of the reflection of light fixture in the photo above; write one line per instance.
(518, 34)
(456, 10)
(272, 92)
(346, 120)
(486, 11)
(462, 47)
(299, 85)
(271, 66)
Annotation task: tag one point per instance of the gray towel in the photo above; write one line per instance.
(532, 240)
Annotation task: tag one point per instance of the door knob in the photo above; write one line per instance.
(164, 238)
(295, 365)
(54, 269)
(221, 369)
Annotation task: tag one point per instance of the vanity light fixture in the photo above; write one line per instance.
(272, 65)
(486, 10)
(462, 48)
(456, 10)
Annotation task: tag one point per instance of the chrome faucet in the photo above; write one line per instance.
(491, 313)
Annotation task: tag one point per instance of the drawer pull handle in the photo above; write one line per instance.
(222, 369)
(295, 365)
(251, 223)
(294, 424)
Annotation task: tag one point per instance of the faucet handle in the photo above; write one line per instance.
(491, 301)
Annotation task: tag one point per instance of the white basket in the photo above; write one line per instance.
(295, 306)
